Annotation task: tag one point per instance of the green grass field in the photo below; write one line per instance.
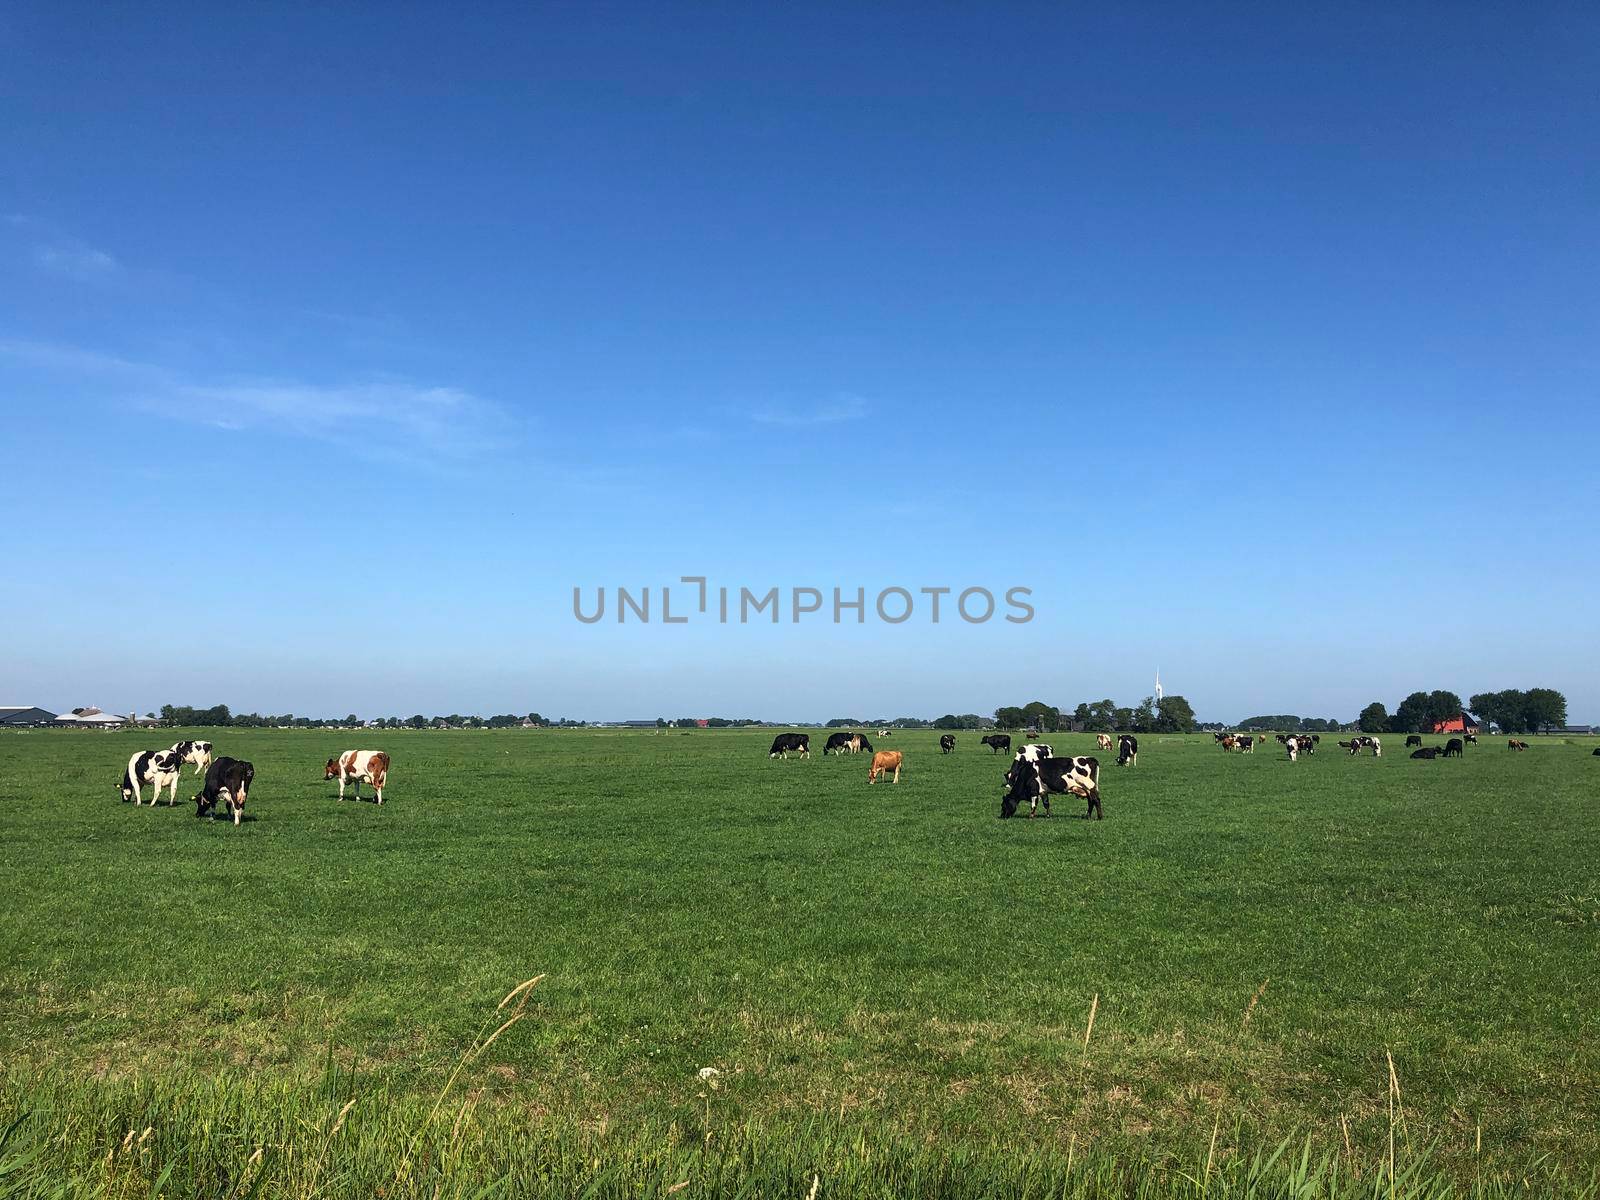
(894, 985)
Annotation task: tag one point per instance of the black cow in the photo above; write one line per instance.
(226, 779)
(947, 743)
(1035, 781)
(1127, 751)
(1429, 752)
(997, 742)
(784, 743)
(838, 743)
(1452, 748)
(1595, 752)
(1414, 739)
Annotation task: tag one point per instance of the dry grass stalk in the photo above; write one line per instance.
(1094, 1007)
(1255, 1000)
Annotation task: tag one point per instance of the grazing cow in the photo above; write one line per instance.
(1228, 742)
(838, 743)
(1352, 746)
(947, 743)
(1127, 751)
(358, 766)
(1429, 752)
(1034, 751)
(1513, 744)
(227, 779)
(785, 743)
(1472, 739)
(997, 742)
(1453, 748)
(1413, 739)
(1077, 775)
(1246, 745)
(883, 733)
(883, 762)
(159, 768)
(1103, 740)
(198, 753)
(1368, 742)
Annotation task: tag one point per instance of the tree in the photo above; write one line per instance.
(1009, 717)
(418, 722)
(1040, 716)
(1544, 708)
(1175, 715)
(1144, 717)
(1374, 718)
(1443, 706)
(1412, 715)
(1122, 718)
(1101, 715)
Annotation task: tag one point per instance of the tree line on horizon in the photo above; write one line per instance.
(1512, 710)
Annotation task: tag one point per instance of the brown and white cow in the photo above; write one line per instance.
(1103, 740)
(884, 761)
(358, 767)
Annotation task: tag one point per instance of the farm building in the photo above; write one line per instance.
(1462, 722)
(14, 716)
(91, 718)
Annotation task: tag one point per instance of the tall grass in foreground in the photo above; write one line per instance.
(225, 1139)
(190, 1136)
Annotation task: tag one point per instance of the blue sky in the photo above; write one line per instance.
(337, 346)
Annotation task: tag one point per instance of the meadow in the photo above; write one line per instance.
(1332, 977)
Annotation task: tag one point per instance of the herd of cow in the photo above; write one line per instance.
(1035, 773)
(228, 780)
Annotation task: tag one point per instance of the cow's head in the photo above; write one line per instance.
(1020, 779)
(331, 771)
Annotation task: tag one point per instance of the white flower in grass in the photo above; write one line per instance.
(709, 1073)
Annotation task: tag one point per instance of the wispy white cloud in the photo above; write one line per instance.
(384, 418)
(56, 252)
(845, 407)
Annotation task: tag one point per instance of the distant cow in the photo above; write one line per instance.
(1453, 748)
(1413, 739)
(1103, 740)
(1513, 744)
(1429, 752)
(198, 753)
(358, 767)
(1291, 743)
(883, 733)
(1035, 781)
(1595, 752)
(1245, 745)
(837, 743)
(1127, 752)
(996, 742)
(1472, 739)
(227, 779)
(157, 768)
(947, 743)
(1227, 742)
(1371, 743)
(1353, 747)
(786, 743)
(883, 762)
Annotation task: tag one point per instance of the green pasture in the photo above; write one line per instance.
(866, 967)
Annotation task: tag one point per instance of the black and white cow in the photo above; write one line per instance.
(1354, 747)
(1453, 748)
(1127, 750)
(1035, 781)
(156, 768)
(1472, 739)
(947, 743)
(198, 753)
(227, 780)
(1367, 742)
(790, 743)
(997, 742)
(1033, 752)
(838, 743)
(1245, 744)
(1292, 744)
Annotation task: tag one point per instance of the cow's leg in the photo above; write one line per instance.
(378, 783)
(897, 774)
(355, 787)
